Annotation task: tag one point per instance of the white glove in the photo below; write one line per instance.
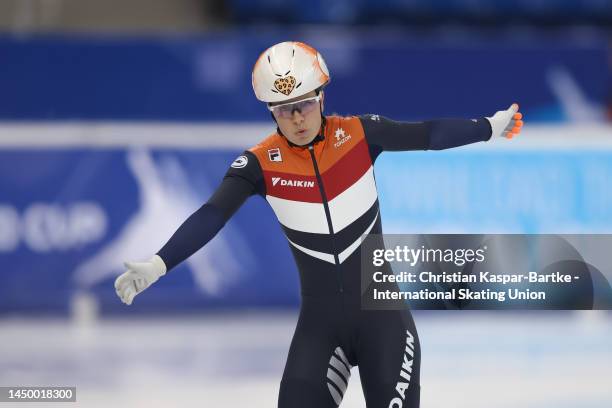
(506, 123)
(138, 277)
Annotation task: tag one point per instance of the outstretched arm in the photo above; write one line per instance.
(388, 135)
(243, 179)
(237, 185)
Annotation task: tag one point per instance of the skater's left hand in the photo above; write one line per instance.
(506, 123)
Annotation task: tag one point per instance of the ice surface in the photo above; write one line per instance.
(470, 359)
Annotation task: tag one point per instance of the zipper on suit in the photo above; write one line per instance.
(327, 215)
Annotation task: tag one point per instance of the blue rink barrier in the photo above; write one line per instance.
(69, 217)
(525, 192)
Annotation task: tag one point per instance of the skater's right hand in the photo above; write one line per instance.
(138, 277)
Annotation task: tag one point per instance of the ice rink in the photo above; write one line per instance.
(470, 359)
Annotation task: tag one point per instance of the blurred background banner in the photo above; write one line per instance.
(529, 190)
(118, 119)
(72, 211)
(72, 216)
(392, 72)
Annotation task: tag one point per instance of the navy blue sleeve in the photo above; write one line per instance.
(385, 134)
(243, 179)
(193, 234)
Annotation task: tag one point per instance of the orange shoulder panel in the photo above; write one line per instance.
(342, 134)
(275, 155)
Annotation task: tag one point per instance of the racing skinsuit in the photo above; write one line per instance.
(324, 196)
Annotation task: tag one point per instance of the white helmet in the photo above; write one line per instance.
(288, 70)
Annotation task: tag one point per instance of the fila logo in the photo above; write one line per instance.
(275, 155)
(292, 183)
(341, 137)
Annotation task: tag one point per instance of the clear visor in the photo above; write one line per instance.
(304, 106)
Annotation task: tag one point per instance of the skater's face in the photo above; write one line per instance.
(300, 119)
